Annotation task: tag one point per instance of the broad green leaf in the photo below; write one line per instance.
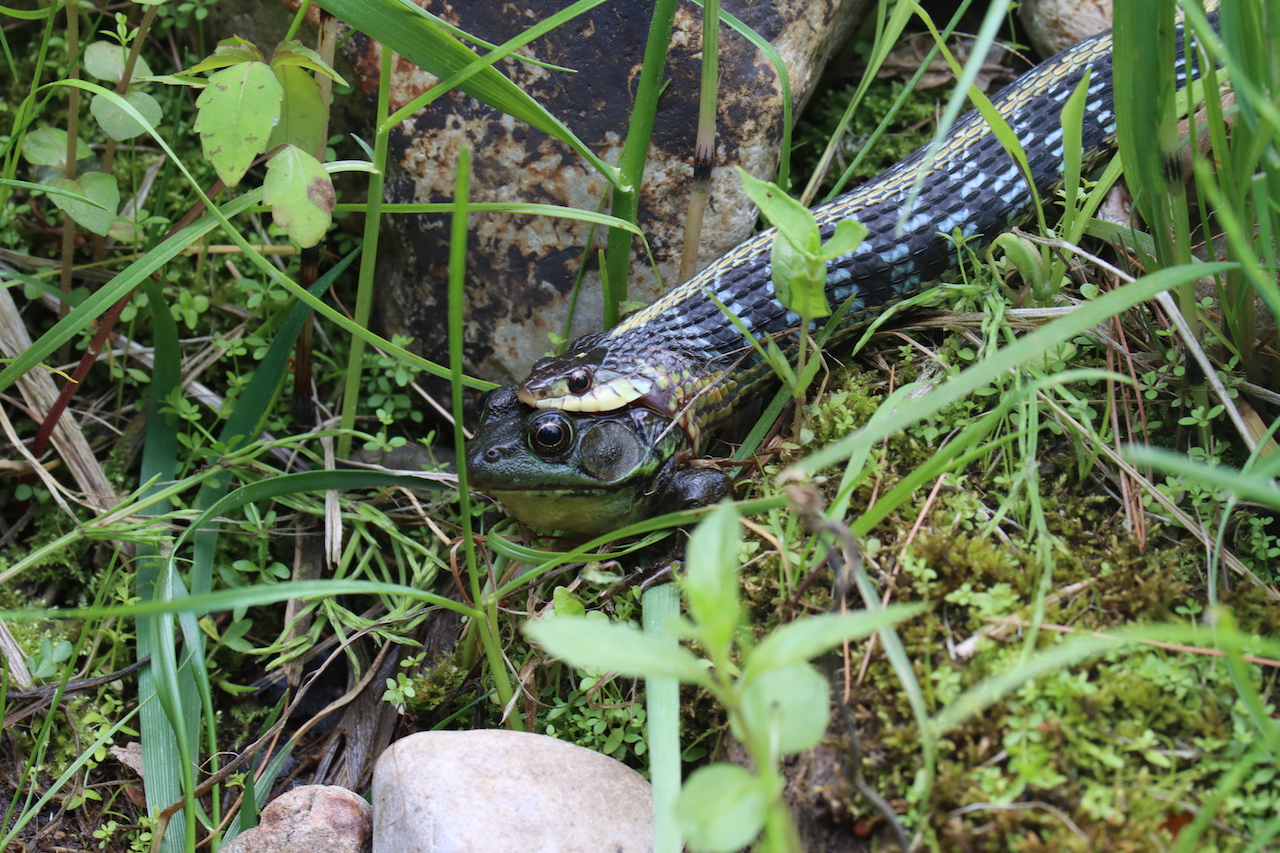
(784, 708)
(785, 213)
(222, 60)
(295, 53)
(229, 51)
(710, 580)
(721, 808)
(106, 59)
(237, 111)
(302, 111)
(567, 604)
(239, 46)
(612, 646)
(805, 639)
(799, 272)
(848, 235)
(118, 124)
(790, 217)
(300, 194)
(177, 80)
(799, 278)
(126, 231)
(97, 186)
(46, 146)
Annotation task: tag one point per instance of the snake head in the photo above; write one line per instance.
(565, 378)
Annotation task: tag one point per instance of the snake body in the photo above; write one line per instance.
(587, 445)
(681, 356)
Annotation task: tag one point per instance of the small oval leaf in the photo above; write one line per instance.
(98, 186)
(784, 708)
(46, 146)
(106, 59)
(297, 54)
(300, 194)
(118, 124)
(721, 808)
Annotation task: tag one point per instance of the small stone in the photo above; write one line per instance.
(1054, 25)
(309, 819)
(506, 792)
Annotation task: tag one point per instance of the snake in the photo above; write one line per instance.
(679, 367)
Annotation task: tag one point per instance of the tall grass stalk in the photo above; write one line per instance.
(635, 151)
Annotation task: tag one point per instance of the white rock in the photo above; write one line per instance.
(500, 791)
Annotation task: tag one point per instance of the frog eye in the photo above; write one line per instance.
(550, 435)
(580, 380)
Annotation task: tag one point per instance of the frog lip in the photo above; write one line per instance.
(549, 491)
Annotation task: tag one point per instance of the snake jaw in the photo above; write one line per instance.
(602, 398)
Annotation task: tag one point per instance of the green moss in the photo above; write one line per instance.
(437, 684)
(909, 130)
(1097, 756)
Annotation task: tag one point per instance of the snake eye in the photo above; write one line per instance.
(551, 435)
(580, 381)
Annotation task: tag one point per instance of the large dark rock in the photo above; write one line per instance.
(521, 270)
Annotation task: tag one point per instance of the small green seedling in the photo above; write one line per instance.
(799, 271)
(252, 105)
(777, 701)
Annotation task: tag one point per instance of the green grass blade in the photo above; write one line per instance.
(1027, 348)
(783, 177)
(286, 484)
(1245, 485)
(162, 748)
(661, 607)
(991, 24)
(635, 151)
(247, 596)
(1146, 107)
(511, 208)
